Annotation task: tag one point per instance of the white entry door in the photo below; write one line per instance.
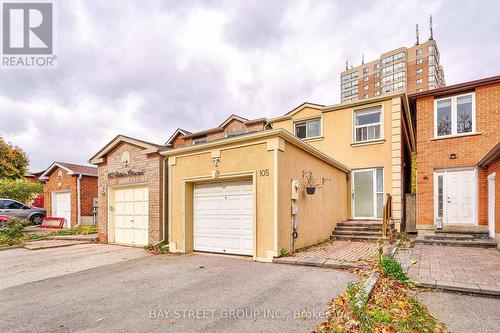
(367, 193)
(455, 196)
(62, 207)
(131, 215)
(223, 217)
(491, 204)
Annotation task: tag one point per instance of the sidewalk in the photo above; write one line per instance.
(335, 254)
(470, 270)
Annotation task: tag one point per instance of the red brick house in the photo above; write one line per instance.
(69, 190)
(491, 162)
(456, 127)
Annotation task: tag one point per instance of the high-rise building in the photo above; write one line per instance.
(412, 69)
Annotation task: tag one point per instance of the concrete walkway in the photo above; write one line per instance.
(463, 269)
(335, 254)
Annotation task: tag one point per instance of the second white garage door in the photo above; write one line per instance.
(223, 217)
(131, 216)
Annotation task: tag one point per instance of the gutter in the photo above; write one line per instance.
(78, 203)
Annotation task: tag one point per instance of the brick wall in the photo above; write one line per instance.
(88, 191)
(232, 126)
(434, 154)
(152, 178)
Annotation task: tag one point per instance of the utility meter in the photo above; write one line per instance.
(295, 189)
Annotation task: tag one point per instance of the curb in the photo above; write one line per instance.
(334, 264)
(462, 289)
(5, 248)
(371, 281)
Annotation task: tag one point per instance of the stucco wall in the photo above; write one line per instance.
(319, 213)
(337, 142)
(152, 178)
(187, 170)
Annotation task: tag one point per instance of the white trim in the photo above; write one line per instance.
(491, 204)
(369, 110)
(453, 101)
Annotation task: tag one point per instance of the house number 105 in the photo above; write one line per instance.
(264, 172)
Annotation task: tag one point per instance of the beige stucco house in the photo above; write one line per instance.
(246, 195)
(373, 137)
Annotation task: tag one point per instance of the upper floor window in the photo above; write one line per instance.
(419, 61)
(365, 96)
(198, 141)
(419, 81)
(419, 71)
(375, 67)
(419, 52)
(454, 115)
(365, 88)
(366, 70)
(366, 78)
(308, 129)
(367, 124)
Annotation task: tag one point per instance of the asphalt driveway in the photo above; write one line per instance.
(189, 293)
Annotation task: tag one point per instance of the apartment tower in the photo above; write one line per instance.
(412, 69)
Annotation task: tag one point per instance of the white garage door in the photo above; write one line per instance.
(62, 207)
(131, 216)
(223, 217)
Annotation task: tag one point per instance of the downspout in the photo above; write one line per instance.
(164, 202)
(78, 201)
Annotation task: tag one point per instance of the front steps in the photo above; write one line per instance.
(362, 230)
(465, 238)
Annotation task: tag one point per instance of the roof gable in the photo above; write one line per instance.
(147, 146)
(71, 169)
(176, 134)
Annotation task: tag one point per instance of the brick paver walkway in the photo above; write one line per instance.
(349, 251)
(456, 266)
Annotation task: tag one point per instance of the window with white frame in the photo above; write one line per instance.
(419, 81)
(419, 71)
(367, 124)
(308, 128)
(454, 115)
(419, 61)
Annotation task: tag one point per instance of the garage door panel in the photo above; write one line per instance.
(223, 217)
(131, 216)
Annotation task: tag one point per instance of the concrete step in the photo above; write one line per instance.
(482, 234)
(357, 233)
(359, 238)
(356, 228)
(449, 237)
(482, 243)
(360, 224)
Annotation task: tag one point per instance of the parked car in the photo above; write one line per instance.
(13, 208)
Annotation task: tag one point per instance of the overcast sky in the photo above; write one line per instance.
(144, 68)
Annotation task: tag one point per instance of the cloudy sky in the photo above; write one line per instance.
(144, 68)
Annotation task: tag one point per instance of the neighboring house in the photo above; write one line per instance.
(33, 177)
(131, 195)
(456, 126)
(491, 162)
(233, 126)
(69, 190)
(373, 137)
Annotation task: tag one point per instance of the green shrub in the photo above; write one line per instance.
(392, 268)
(283, 252)
(12, 231)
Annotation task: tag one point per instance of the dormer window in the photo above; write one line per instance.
(198, 141)
(308, 128)
(234, 133)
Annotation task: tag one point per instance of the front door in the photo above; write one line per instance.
(455, 196)
(367, 193)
